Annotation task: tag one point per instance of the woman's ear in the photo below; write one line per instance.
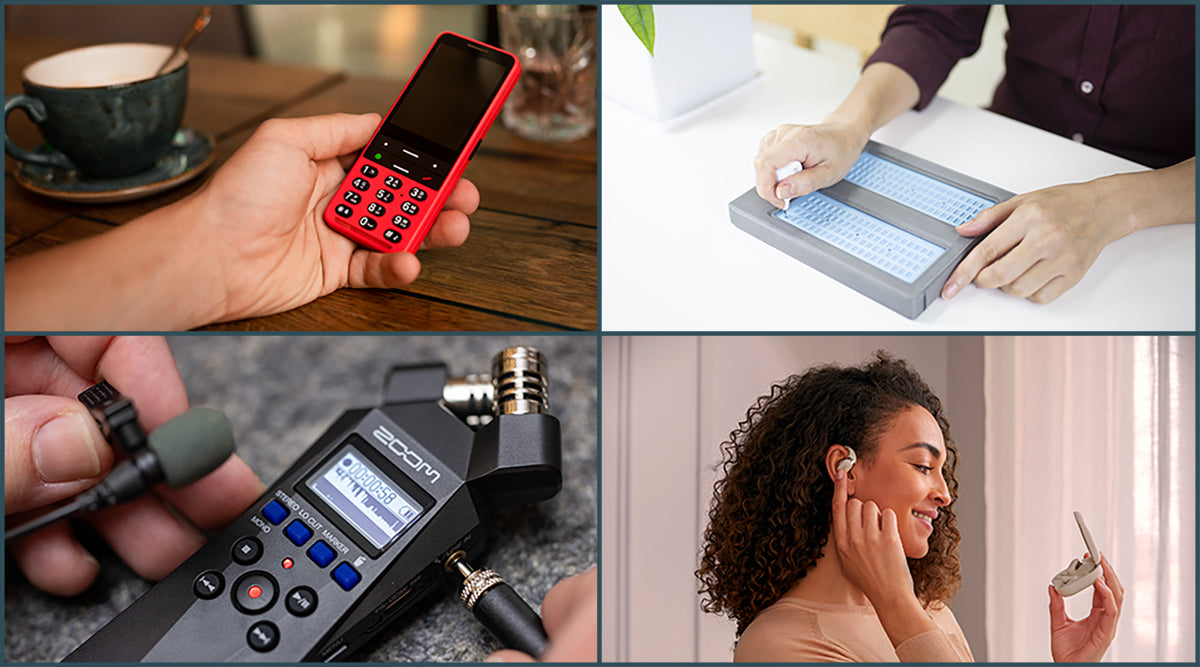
(841, 457)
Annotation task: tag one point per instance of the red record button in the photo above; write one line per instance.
(254, 592)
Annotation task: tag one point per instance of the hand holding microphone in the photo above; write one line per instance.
(54, 451)
(178, 453)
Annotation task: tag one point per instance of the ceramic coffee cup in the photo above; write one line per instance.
(102, 109)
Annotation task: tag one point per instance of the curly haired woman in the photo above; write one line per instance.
(880, 593)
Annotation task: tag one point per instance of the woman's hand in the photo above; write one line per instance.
(1087, 640)
(872, 558)
(869, 548)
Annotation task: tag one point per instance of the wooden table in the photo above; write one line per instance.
(529, 263)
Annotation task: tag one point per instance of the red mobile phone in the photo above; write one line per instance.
(399, 183)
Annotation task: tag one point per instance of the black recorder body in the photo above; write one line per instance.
(359, 529)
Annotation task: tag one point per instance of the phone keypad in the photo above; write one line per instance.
(389, 197)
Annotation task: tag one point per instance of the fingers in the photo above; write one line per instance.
(321, 137)
(147, 536)
(989, 218)
(840, 521)
(983, 255)
(1105, 605)
(141, 367)
(450, 230)
(568, 598)
(569, 614)
(1058, 612)
(465, 197)
(52, 450)
(54, 561)
(386, 270)
(233, 482)
(1110, 577)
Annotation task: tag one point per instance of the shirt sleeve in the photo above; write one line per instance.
(927, 41)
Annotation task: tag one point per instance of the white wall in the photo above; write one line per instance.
(669, 402)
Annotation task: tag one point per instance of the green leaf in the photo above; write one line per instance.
(641, 19)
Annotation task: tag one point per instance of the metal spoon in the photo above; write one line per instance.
(200, 23)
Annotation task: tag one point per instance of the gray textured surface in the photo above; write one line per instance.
(280, 393)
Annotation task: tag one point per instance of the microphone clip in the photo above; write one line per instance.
(116, 417)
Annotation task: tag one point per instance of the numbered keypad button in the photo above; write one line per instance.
(400, 221)
(352, 197)
(361, 184)
(417, 194)
(375, 209)
(392, 182)
(409, 208)
(343, 210)
(391, 235)
(365, 223)
(384, 196)
(369, 171)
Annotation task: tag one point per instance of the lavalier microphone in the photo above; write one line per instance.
(179, 452)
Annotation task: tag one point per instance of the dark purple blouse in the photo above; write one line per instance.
(1120, 78)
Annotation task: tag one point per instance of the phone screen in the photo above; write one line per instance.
(448, 95)
(439, 110)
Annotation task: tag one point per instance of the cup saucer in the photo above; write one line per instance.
(191, 153)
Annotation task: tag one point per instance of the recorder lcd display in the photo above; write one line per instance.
(373, 505)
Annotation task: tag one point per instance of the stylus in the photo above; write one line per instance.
(499, 608)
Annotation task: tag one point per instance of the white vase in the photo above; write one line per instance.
(700, 53)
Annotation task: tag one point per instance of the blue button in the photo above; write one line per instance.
(297, 533)
(321, 554)
(274, 512)
(346, 576)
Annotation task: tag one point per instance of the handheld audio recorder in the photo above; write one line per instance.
(365, 524)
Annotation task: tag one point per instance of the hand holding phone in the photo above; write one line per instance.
(395, 189)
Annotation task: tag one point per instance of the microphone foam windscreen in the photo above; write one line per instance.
(192, 445)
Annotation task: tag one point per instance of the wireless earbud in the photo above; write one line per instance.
(847, 463)
(1079, 575)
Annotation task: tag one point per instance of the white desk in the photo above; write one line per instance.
(672, 261)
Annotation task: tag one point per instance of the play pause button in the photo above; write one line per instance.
(301, 601)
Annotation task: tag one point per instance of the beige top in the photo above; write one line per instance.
(798, 630)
